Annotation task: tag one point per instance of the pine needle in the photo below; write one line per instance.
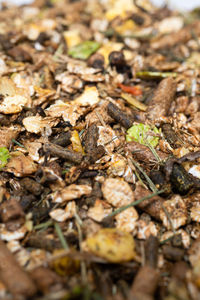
(122, 208)
(150, 182)
(61, 236)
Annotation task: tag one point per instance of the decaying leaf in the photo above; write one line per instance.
(117, 192)
(99, 211)
(61, 215)
(76, 142)
(14, 99)
(20, 165)
(36, 124)
(127, 220)
(177, 211)
(112, 244)
(71, 192)
(7, 134)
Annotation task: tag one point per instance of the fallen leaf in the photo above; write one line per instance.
(112, 244)
(20, 165)
(143, 134)
(84, 50)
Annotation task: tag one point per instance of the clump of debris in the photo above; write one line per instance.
(99, 151)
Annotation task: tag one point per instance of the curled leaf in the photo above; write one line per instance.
(84, 50)
(143, 134)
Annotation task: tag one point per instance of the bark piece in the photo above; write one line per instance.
(160, 103)
(7, 134)
(41, 241)
(32, 186)
(62, 139)
(93, 151)
(182, 36)
(16, 280)
(12, 214)
(151, 251)
(56, 150)
(151, 206)
(170, 135)
(145, 283)
(173, 253)
(19, 54)
(46, 280)
(119, 116)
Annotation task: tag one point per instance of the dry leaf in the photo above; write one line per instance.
(117, 192)
(36, 124)
(73, 191)
(20, 165)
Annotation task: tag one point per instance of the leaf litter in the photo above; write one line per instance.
(99, 151)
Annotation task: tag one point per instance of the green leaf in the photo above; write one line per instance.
(143, 134)
(84, 50)
(4, 156)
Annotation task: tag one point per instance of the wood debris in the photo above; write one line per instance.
(99, 151)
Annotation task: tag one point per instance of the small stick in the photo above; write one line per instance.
(119, 116)
(56, 150)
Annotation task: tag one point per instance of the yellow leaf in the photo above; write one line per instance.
(126, 28)
(112, 244)
(134, 102)
(76, 142)
(72, 38)
(65, 265)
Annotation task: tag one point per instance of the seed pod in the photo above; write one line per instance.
(96, 61)
(117, 59)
